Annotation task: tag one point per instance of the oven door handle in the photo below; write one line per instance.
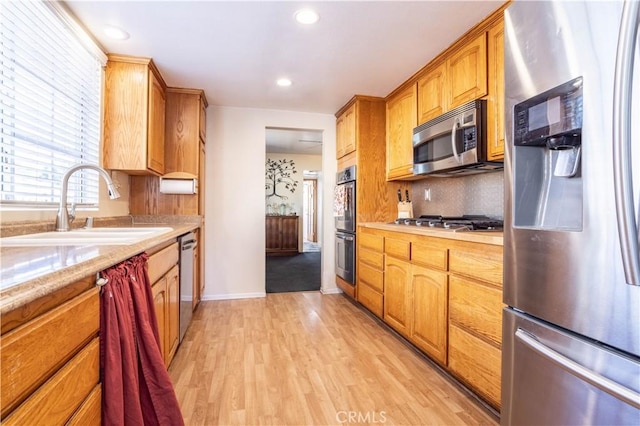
(344, 237)
(454, 148)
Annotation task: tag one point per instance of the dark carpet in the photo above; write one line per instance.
(293, 273)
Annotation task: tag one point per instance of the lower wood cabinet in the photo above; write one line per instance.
(164, 274)
(398, 294)
(429, 315)
(50, 358)
(166, 298)
(370, 275)
(444, 296)
(281, 235)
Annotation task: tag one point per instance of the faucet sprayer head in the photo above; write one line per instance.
(113, 191)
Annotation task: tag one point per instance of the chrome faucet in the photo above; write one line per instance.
(64, 218)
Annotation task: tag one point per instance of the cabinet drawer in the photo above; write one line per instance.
(477, 307)
(373, 277)
(90, 412)
(26, 360)
(397, 248)
(373, 242)
(370, 299)
(475, 362)
(371, 258)
(56, 400)
(160, 262)
(428, 255)
(482, 261)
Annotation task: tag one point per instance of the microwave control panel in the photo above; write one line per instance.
(469, 139)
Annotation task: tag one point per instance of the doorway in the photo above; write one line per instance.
(293, 194)
(310, 213)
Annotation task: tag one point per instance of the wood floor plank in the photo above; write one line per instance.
(308, 359)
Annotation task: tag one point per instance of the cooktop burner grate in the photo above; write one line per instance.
(465, 222)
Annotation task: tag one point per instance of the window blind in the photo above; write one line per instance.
(49, 105)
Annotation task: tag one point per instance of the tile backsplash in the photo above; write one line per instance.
(474, 194)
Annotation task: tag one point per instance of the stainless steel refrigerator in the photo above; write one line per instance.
(571, 342)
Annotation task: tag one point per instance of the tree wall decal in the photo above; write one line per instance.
(279, 173)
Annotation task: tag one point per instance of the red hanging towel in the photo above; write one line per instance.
(136, 388)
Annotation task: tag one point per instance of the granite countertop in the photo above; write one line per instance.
(28, 273)
(486, 237)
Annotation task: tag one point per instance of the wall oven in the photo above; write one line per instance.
(454, 143)
(344, 207)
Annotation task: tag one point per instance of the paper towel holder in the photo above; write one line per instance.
(179, 183)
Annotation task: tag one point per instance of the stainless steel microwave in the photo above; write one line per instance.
(454, 144)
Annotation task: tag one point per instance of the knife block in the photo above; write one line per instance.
(405, 210)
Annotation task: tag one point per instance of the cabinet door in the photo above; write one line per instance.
(290, 233)
(467, 72)
(155, 135)
(495, 100)
(397, 295)
(401, 120)
(429, 331)
(350, 130)
(432, 93)
(182, 136)
(201, 179)
(202, 123)
(173, 312)
(340, 137)
(160, 298)
(273, 233)
(476, 307)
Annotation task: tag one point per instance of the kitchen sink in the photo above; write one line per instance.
(85, 236)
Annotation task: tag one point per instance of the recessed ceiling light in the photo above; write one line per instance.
(307, 16)
(284, 82)
(116, 33)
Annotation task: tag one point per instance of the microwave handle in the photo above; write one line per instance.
(454, 144)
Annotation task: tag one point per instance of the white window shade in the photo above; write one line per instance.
(49, 105)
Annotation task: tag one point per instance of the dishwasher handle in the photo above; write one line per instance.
(189, 244)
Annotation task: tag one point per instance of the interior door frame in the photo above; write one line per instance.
(314, 184)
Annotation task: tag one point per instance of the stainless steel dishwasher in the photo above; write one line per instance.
(188, 244)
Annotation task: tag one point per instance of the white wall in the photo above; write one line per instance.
(235, 204)
(302, 163)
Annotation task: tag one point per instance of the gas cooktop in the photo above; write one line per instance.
(455, 223)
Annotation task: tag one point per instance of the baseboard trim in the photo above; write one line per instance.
(334, 290)
(233, 296)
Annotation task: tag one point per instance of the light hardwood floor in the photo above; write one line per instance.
(307, 359)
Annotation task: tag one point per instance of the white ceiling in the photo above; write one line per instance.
(236, 50)
(294, 141)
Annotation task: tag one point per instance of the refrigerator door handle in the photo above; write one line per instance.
(622, 166)
(612, 388)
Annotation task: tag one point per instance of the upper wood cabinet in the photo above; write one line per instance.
(467, 72)
(134, 116)
(402, 117)
(495, 98)
(346, 132)
(454, 79)
(184, 130)
(184, 151)
(432, 93)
